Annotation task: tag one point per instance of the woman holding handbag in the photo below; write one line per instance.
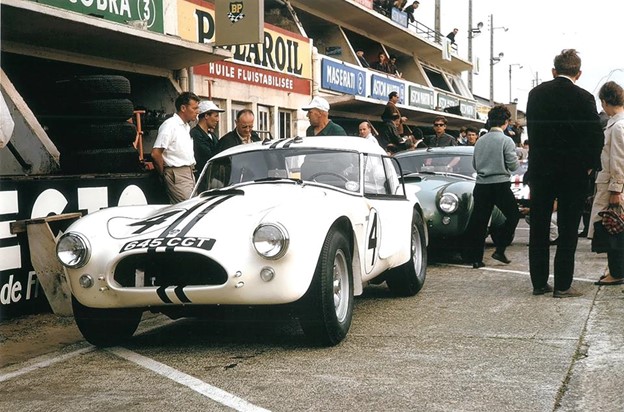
(610, 180)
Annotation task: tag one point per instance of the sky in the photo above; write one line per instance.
(537, 31)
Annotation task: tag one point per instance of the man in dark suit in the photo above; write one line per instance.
(566, 140)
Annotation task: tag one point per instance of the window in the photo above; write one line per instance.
(374, 176)
(235, 109)
(264, 122)
(437, 79)
(285, 124)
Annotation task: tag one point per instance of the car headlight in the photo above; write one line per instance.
(270, 240)
(449, 202)
(73, 250)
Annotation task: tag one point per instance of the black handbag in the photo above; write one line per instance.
(604, 242)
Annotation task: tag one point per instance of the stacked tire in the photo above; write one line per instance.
(92, 125)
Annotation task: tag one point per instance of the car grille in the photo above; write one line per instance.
(169, 269)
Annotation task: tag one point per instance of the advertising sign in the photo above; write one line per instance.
(468, 109)
(120, 11)
(382, 86)
(281, 51)
(445, 100)
(254, 76)
(342, 78)
(421, 97)
(239, 22)
(399, 17)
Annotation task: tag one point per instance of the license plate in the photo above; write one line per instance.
(169, 242)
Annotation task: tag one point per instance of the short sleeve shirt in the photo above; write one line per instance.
(332, 129)
(175, 138)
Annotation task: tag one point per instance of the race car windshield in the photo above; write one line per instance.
(438, 163)
(337, 168)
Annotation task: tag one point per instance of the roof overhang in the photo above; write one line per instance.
(365, 108)
(29, 27)
(371, 24)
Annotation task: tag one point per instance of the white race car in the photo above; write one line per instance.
(303, 221)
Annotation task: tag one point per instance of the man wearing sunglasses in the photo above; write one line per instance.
(440, 138)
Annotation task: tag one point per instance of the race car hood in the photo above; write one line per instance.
(220, 210)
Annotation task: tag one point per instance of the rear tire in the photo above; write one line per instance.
(327, 307)
(409, 278)
(106, 327)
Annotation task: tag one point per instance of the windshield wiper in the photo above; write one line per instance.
(272, 179)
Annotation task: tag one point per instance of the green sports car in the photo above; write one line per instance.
(443, 179)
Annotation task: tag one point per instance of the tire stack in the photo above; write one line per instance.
(91, 125)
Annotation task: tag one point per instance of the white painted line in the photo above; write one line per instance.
(47, 361)
(189, 381)
(56, 357)
(517, 272)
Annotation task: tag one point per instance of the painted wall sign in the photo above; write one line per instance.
(421, 97)
(382, 86)
(255, 76)
(281, 51)
(120, 11)
(342, 78)
(22, 199)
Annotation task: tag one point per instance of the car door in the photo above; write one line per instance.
(390, 216)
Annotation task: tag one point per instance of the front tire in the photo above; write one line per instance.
(327, 307)
(409, 278)
(105, 327)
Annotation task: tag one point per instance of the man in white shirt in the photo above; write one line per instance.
(364, 130)
(172, 153)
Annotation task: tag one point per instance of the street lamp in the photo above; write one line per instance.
(510, 66)
(493, 60)
(472, 32)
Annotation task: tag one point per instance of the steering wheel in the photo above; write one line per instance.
(315, 175)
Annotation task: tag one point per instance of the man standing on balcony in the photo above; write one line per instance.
(360, 55)
(410, 11)
(452, 35)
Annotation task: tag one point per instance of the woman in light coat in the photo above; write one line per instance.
(610, 180)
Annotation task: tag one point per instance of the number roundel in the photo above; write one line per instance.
(373, 231)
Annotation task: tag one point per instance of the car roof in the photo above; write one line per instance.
(447, 150)
(352, 143)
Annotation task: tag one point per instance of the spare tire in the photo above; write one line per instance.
(120, 160)
(95, 86)
(94, 135)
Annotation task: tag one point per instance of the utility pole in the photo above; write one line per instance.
(470, 34)
(437, 21)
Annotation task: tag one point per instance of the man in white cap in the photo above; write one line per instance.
(320, 125)
(205, 142)
(172, 152)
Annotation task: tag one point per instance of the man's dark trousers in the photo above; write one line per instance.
(486, 196)
(570, 194)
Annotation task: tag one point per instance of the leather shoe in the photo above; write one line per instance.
(542, 290)
(501, 257)
(477, 265)
(570, 293)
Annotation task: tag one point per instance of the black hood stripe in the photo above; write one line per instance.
(201, 214)
(185, 215)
